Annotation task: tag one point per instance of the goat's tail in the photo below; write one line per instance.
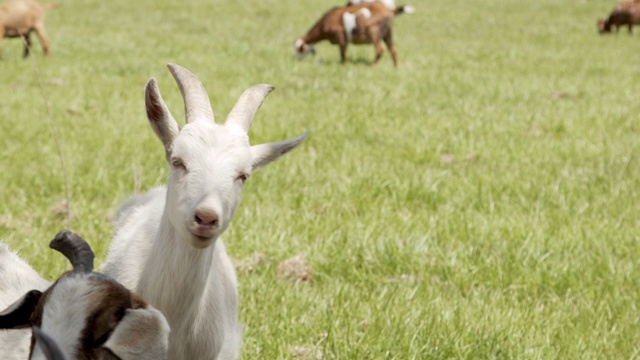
(405, 9)
(48, 6)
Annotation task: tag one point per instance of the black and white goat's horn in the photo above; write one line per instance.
(47, 345)
(74, 248)
(196, 101)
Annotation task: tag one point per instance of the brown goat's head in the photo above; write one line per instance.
(302, 48)
(604, 26)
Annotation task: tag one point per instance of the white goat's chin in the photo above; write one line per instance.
(200, 242)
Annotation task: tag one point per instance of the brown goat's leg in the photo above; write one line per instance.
(379, 51)
(27, 45)
(389, 42)
(394, 56)
(361, 25)
(1, 37)
(343, 53)
(42, 36)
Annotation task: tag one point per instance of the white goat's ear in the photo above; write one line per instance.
(141, 334)
(161, 120)
(247, 105)
(47, 345)
(18, 314)
(263, 154)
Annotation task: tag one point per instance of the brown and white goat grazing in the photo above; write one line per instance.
(365, 23)
(86, 315)
(626, 12)
(20, 17)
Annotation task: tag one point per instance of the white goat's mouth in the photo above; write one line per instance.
(202, 235)
(201, 242)
(202, 238)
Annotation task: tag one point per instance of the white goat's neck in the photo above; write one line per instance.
(177, 274)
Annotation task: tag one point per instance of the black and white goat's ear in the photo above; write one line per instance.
(47, 345)
(141, 334)
(18, 314)
(263, 154)
(161, 120)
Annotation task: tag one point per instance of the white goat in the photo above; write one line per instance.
(87, 315)
(166, 245)
(16, 278)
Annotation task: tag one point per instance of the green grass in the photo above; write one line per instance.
(480, 201)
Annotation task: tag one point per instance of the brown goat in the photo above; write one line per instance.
(365, 23)
(20, 17)
(626, 12)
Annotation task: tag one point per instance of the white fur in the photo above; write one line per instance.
(180, 280)
(349, 21)
(365, 12)
(155, 250)
(65, 313)
(151, 346)
(16, 278)
(391, 4)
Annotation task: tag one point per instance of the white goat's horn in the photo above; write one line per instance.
(248, 104)
(196, 100)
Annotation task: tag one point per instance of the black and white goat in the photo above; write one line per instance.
(86, 314)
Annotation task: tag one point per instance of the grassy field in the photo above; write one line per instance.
(480, 201)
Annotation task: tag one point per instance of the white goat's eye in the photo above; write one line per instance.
(177, 163)
(242, 177)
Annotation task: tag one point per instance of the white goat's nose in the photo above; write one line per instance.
(206, 217)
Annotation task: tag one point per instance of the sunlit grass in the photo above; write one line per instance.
(479, 201)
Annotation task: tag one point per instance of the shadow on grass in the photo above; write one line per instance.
(350, 61)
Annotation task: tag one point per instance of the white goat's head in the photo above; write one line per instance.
(87, 315)
(209, 162)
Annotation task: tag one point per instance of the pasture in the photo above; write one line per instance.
(479, 201)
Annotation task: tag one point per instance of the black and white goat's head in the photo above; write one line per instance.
(87, 315)
(209, 162)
